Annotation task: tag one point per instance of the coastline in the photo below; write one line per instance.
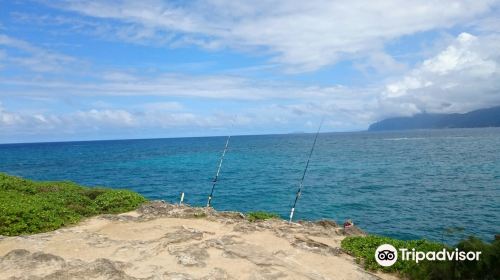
(347, 182)
(166, 241)
(61, 230)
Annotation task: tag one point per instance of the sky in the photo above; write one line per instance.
(84, 70)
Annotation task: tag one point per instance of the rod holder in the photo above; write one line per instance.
(291, 214)
(182, 198)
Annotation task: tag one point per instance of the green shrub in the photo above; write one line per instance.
(488, 267)
(92, 193)
(28, 207)
(116, 201)
(199, 215)
(261, 215)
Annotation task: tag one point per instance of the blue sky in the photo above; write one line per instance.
(82, 70)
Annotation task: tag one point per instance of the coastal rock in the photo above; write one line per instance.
(178, 276)
(191, 255)
(268, 274)
(314, 246)
(234, 248)
(158, 208)
(215, 274)
(353, 231)
(181, 235)
(23, 264)
(327, 224)
(167, 241)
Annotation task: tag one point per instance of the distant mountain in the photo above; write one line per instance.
(479, 118)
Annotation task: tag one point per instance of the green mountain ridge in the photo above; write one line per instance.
(489, 117)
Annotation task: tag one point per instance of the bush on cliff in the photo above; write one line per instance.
(261, 216)
(488, 266)
(28, 207)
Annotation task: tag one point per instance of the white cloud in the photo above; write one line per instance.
(303, 35)
(380, 63)
(463, 77)
(9, 118)
(162, 106)
(226, 87)
(31, 57)
(343, 112)
(104, 118)
(117, 76)
(486, 24)
(459, 57)
(102, 122)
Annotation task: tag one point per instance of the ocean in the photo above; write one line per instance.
(406, 184)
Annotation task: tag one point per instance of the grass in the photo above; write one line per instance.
(28, 207)
(261, 216)
(488, 267)
(363, 248)
(200, 215)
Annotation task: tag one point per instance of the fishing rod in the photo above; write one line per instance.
(299, 191)
(218, 171)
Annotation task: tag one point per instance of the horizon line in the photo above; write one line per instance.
(177, 137)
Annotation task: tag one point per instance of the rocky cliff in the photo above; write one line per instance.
(165, 241)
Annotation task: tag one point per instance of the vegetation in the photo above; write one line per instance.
(488, 266)
(261, 215)
(199, 214)
(489, 117)
(28, 207)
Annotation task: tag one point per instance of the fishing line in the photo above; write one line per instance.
(218, 172)
(301, 185)
(216, 178)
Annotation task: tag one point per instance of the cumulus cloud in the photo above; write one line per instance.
(462, 77)
(302, 35)
(9, 118)
(103, 122)
(340, 105)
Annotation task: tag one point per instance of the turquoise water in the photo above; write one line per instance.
(410, 184)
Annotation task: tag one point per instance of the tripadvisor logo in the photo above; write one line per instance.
(387, 255)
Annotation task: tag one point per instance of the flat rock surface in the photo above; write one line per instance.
(165, 241)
